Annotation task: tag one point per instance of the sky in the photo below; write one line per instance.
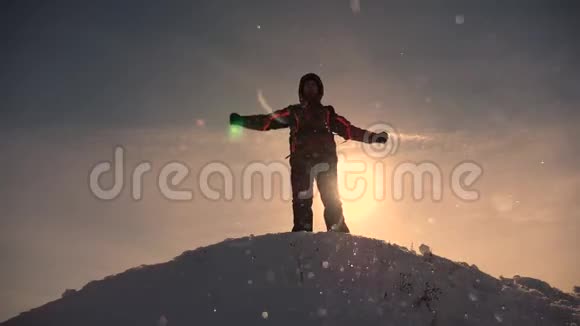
(488, 82)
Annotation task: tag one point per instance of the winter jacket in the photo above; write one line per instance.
(312, 125)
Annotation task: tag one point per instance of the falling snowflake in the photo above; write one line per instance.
(321, 312)
(265, 314)
(355, 6)
(270, 276)
(162, 321)
(324, 264)
(459, 19)
(472, 297)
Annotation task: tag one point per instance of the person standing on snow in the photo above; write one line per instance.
(312, 150)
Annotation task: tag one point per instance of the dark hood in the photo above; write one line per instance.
(317, 80)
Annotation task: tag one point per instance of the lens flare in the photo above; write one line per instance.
(235, 132)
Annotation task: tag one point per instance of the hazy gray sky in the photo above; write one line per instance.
(492, 82)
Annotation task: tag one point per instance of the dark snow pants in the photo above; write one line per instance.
(304, 170)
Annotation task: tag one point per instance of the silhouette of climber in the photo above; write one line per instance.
(312, 150)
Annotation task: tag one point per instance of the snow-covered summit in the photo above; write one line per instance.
(307, 279)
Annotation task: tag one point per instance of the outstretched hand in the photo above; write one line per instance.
(381, 137)
(235, 119)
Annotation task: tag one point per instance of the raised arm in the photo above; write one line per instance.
(347, 130)
(275, 120)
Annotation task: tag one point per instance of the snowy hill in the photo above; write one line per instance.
(307, 279)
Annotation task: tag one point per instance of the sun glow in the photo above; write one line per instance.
(357, 191)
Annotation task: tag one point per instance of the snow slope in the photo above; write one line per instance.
(307, 279)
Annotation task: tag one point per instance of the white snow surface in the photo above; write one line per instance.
(307, 279)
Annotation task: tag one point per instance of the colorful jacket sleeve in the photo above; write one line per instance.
(275, 120)
(341, 126)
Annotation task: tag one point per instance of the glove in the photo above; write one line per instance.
(381, 138)
(235, 119)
